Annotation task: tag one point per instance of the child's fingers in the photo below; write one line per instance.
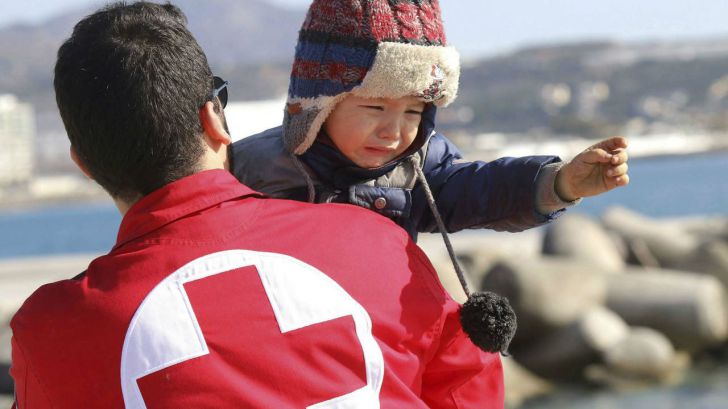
(619, 157)
(596, 155)
(622, 180)
(619, 170)
(612, 144)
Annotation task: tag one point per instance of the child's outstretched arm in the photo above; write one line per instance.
(598, 169)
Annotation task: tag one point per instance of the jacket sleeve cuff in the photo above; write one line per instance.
(547, 200)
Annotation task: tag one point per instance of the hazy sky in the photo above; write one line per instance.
(487, 26)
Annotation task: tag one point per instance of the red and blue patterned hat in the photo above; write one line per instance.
(369, 48)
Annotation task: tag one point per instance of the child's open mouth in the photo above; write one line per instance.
(379, 150)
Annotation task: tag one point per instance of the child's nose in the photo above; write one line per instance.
(389, 130)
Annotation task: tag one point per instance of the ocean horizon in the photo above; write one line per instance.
(660, 187)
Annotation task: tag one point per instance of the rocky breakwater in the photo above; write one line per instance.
(621, 302)
(624, 301)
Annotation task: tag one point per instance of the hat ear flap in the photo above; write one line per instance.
(374, 49)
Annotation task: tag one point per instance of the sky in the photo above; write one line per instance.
(486, 27)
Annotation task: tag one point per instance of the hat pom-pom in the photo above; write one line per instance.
(489, 321)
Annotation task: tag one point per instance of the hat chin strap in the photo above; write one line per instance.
(486, 317)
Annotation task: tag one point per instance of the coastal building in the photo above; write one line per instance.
(246, 118)
(17, 136)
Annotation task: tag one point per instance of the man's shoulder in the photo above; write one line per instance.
(46, 303)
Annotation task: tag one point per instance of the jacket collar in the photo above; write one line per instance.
(335, 169)
(178, 199)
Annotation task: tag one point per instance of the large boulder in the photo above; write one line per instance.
(546, 293)
(582, 238)
(670, 244)
(644, 352)
(711, 257)
(642, 359)
(690, 309)
(477, 252)
(709, 228)
(565, 353)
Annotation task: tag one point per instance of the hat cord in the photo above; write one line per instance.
(309, 181)
(440, 224)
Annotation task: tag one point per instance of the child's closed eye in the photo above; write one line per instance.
(373, 107)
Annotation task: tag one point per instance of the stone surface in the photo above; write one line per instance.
(546, 293)
(643, 352)
(582, 238)
(711, 257)
(690, 309)
(477, 252)
(670, 244)
(564, 354)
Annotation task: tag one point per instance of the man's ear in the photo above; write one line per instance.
(79, 163)
(212, 124)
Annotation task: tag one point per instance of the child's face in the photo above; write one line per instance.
(373, 132)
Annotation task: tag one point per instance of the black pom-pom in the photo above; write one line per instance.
(489, 321)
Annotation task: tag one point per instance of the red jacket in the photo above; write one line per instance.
(216, 297)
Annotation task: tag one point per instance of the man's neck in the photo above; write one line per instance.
(123, 206)
(211, 159)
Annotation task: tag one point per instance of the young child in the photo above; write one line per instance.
(360, 121)
(359, 128)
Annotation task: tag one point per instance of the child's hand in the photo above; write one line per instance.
(600, 168)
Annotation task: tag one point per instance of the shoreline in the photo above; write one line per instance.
(492, 146)
(92, 195)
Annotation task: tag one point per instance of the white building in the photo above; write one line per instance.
(17, 136)
(246, 118)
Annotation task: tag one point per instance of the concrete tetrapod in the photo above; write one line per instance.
(644, 357)
(669, 243)
(690, 309)
(546, 293)
(565, 353)
(582, 238)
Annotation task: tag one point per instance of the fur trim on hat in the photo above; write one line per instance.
(402, 70)
(399, 70)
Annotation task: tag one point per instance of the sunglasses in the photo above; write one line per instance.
(219, 90)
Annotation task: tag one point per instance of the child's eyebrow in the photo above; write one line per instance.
(370, 104)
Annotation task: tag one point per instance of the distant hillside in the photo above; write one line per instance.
(596, 88)
(239, 36)
(588, 89)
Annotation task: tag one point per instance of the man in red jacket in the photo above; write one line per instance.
(215, 296)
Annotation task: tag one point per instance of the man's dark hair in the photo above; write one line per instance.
(130, 82)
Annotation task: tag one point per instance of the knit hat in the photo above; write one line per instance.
(368, 48)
